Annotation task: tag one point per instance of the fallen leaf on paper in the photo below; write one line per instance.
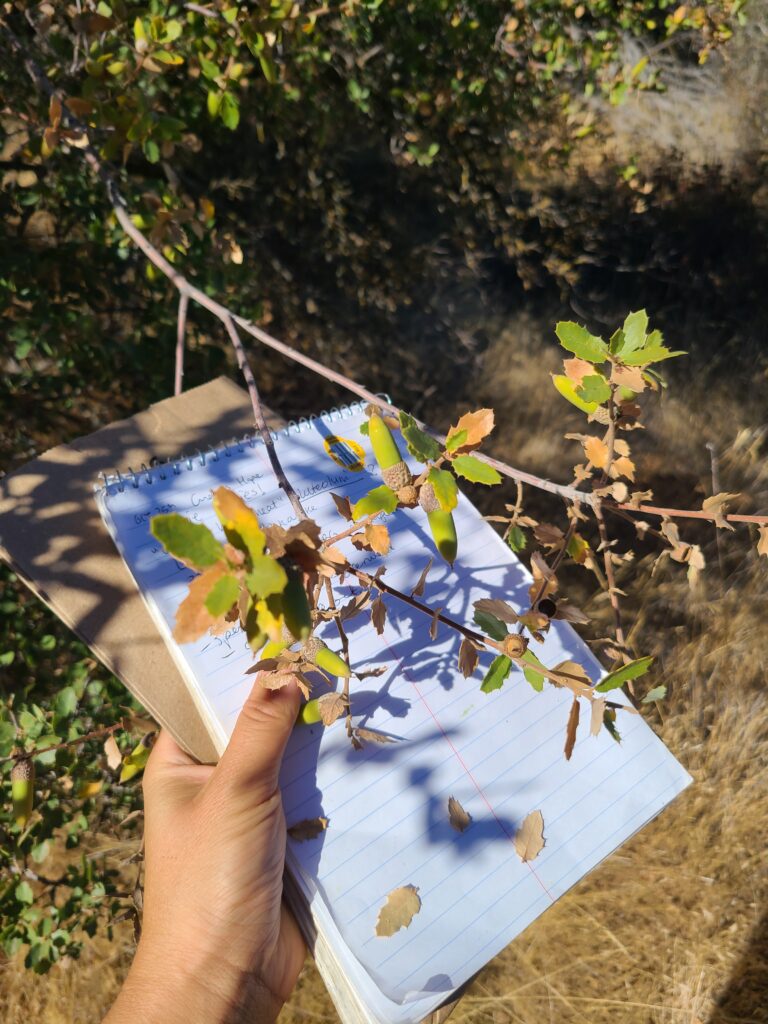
(401, 907)
(310, 828)
(458, 817)
(529, 838)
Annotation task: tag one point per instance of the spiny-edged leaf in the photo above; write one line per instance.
(578, 340)
(529, 838)
(475, 471)
(418, 590)
(536, 679)
(657, 693)
(467, 657)
(490, 625)
(498, 609)
(444, 486)
(517, 539)
(632, 670)
(266, 577)
(193, 618)
(456, 440)
(331, 706)
(568, 390)
(477, 425)
(634, 331)
(571, 728)
(609, 721)
(310, 828)
(420, 445)
(457, 816)
(596, 716)
(500, 668)
(377, 537)
(191, 543)
(401, 907)
(594, 389)
(380, 499)
(241, 525)
(222, 595)
(650, 354)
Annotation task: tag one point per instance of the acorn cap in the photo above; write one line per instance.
(428, 499)
(23, 770)
(396, 476)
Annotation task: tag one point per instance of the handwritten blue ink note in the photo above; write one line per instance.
(499, 754)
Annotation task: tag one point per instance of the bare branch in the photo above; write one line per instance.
(181, 330)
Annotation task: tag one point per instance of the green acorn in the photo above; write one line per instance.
(440, 523)
(394, 469)
(309, 712)
(317, 653)
(298, 617)
(136, 761)
(22, 789)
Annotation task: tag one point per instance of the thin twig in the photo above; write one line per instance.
(96, 734)
(181, 330)
(261, 423)
(345, 653)
(184, 286)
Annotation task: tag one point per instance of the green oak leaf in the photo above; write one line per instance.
(490, 625)
(594, 389)
(536, 679)
(578, 340)
(222, 595)
(380, 499)
(420, 445)
(496, 674)
(445, 488)
(477, 472)
(632, 670)
(266, 577)
(192, 543)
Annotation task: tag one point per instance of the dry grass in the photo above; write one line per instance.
(673, 928)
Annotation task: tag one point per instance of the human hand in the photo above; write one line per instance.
(217, 943)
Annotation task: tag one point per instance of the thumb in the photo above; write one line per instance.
(251, 762)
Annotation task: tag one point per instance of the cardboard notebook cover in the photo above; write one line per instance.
(52, 535)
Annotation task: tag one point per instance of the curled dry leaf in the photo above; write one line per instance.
(331, 706)
(343, 506)
(434, 624)
(596, 720)
(573, 676)
(718, 504)
(400, 909)
(467, 657)
(498, 608)
(377, 536)
(458, 817)
(112, 751)
(378, 615)
(368, 672)
(477, 426)
(549, 535)
(570, 731)
(529, 838)
(310, 828)
(355, 606)
(418, 590)
(371, 736)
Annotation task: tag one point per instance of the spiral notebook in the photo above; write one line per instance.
(499, 754)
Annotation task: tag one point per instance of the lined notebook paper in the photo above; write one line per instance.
(500, 754)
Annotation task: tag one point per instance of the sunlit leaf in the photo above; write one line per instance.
(632, 670)
(191, 543)
(474, 470)
(578, 340)
(500, 668)
(420, 445)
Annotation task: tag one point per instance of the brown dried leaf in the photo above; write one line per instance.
(434, 624)
(467, 657)
(577, 369)
(418, 590)
(629, 377)
(570, 613)
(477, 425)
(596, 720)
(275, 680)
(378, 615)
(573, 725)
(372, 736)
(368, 672)
(192, 617)
(762, 542)
(458, 817)
(331, 706)
(378, 539)
(596, 451)
(355, 606)
(638, 498)
(718, 504)
(573, 676)
(112, 751)
(400, 909)
(498, 608)
(310, 828)
(529, 838)
(343, 506)
(549, 535)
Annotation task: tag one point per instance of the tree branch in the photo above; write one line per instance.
(181, 330)
(185, 287)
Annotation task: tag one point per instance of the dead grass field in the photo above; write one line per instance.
(673, 928)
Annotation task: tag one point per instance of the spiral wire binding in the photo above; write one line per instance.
(133, 478)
